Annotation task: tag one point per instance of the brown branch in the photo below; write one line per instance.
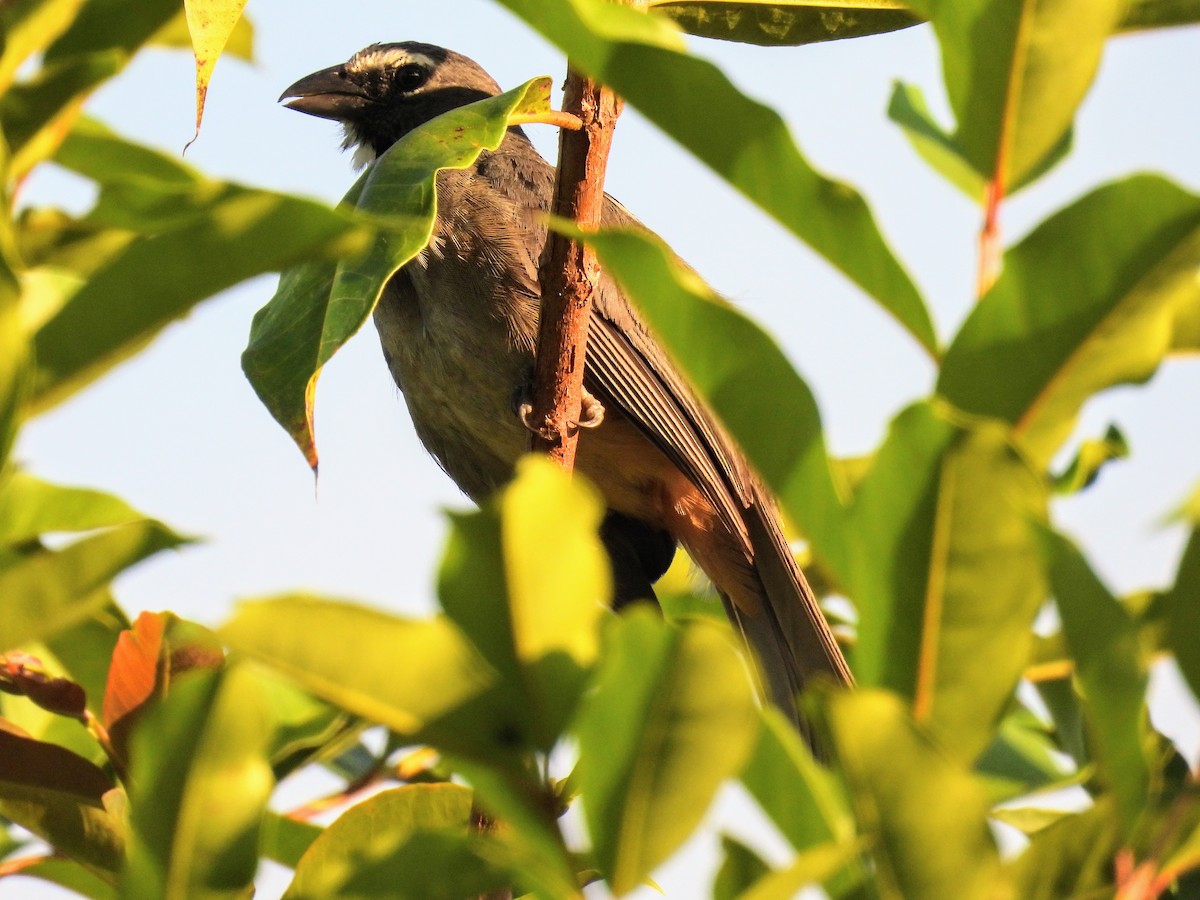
(568, 270)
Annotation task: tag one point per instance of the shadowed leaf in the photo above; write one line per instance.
(775, 24)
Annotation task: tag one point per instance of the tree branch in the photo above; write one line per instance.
(568, 270)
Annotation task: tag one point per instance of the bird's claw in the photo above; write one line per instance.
(591, 414)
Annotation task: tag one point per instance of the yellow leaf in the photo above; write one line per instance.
(210, 23)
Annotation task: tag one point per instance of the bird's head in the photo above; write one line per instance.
(384, 91)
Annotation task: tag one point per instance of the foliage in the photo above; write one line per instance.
(144, 754)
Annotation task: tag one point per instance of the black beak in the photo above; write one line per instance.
(327, 94)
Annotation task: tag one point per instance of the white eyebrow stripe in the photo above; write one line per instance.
(393, 58)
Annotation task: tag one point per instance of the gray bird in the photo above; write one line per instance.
(458, 327)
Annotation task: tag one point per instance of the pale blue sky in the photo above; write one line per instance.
(179, 433)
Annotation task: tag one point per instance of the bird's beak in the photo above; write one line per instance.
(327, 94)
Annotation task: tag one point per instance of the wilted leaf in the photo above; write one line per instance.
(210, 23)
(643, 59)
(402, 673)
(775, 24)
(201, 784)
(1048, 336)
(175, 34)
(924, 811)
(58, 796)
(946, 578)
(316, 309)
(25, 676)
(1108, 663)
(672, 717)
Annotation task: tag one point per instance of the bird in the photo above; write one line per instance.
(458, 327)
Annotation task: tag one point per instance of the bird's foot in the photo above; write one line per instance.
(591, 412)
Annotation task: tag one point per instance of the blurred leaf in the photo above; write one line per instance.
(14, 353)
(740, 868)
(740, 370)
(1062, 701)
(25, 676)
(1185, 335)
(940, 150)
(924, 811)
(122, 25)
(1022, 758)
(30, 507)
(211, 23)
(527, 581)
(1160, 14)
(28, 26)
(1103, 640)
(202, 783)
(72, 876)
(643, 59)
(1015, 72)
(1183, 603)
(1071, 858)
(671, 718)
(306, 728)
(284, 839)
(402, 673)
(1093, 455)
(946, 579)
(361, 853)
(175, 34)
(1029, 819)
(85, 650)
(58, 796)
(812, 867)
(1048, 336)
(775, 24)
(317, 308)
(812, 810)
(36, 114)
(48, 590)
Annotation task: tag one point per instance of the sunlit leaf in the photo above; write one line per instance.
(50, 590)
(68, 874)
(317, 308)
(1071, 858)
(946, 581)
(1022, 758)
(925, 814)
(30, 507)
(58, 796)
(691, 100)
(29, 26)
(672, 716)
(1103, 639)
(1048, 336)
(1092, 456)
(362, 853)
(175, 34)
(810, 868)
(201, 783)
(402, 673)
(1015, 72)
(122, 25)
(740, 370)
(14, 365)
(210, 23)
(1142, 14)
(284, 839)
(775, 24)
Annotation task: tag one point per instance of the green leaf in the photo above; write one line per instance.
(946, 577)
(68, 874)
(30, 507)
(527, 580)
(740, 370)
(29, 26)
(740, 868)
(59, 796)
(202, 781)
(402, 673)
(671, 718)
(1015, 72)
(1092, 456)
(941, 151)
(925, 813)
(1183, 601)
(814, 866)
(1142, 14)
(305, 728)
(1022, 758)
(1104, 642)
(1048, 336)
(14, 362)
(812, 810)
(317, 308)
(775, 24)
(122, 25)
(284, 839)
(1071, 858)
(362, 854)
(47, 591)
(742, 141)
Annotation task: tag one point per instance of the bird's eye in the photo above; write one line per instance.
(410, 77)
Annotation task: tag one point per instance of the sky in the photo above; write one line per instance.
(179, 433)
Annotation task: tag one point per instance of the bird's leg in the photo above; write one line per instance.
(591, 410)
